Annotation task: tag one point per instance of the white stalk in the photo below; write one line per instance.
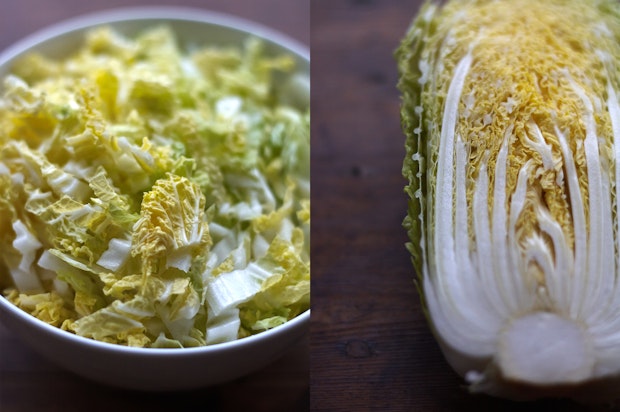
(579, 225)
(461, 325)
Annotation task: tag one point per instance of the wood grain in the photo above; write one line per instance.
(31, 383)
(19, 18)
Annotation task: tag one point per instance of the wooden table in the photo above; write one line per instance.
(29, 383)
(370, 346)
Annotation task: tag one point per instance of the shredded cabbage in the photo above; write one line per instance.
(151, 196)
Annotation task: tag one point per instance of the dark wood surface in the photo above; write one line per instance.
(370, 347)
(29, 383)
(18, 18)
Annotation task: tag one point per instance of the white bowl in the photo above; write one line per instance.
(150, 368)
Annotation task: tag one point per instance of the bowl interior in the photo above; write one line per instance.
(138, 368)
(193, 28)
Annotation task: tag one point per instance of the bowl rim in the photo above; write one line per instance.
(127, 14)
(297, 322)
(181, 13)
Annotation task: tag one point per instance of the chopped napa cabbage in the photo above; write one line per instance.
(151, 196)
(224, 326)
(172, 226)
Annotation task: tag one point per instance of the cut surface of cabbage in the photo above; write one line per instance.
(512, 119)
